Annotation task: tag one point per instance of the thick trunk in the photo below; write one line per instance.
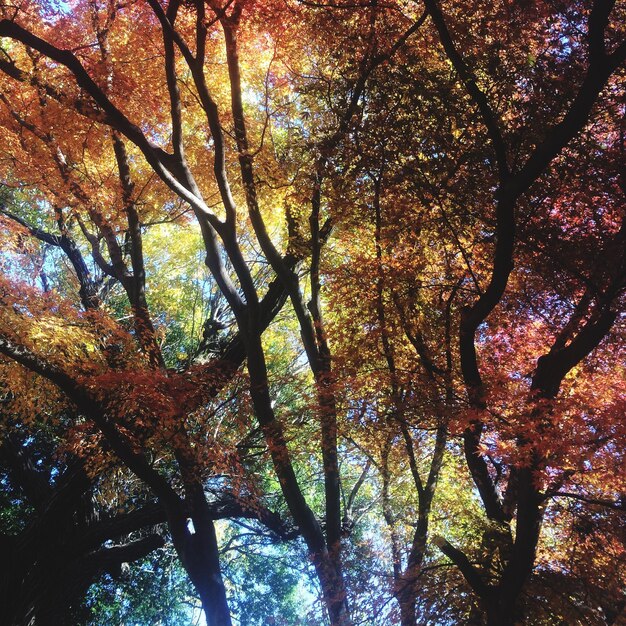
(202, 564)
(198, 547)
(407, 608)
(499, 615)
(334, 592)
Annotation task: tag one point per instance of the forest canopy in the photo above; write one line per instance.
(312, 312)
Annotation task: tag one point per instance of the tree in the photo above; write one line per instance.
(413, 189)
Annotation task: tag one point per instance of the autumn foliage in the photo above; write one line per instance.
(348, 274)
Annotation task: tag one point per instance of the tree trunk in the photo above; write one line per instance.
(499, 615)
(201, 560)
(406, 600)
(327, 564)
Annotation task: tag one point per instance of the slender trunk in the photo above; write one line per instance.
(328, 409)
(326, 566)
(407, 582)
